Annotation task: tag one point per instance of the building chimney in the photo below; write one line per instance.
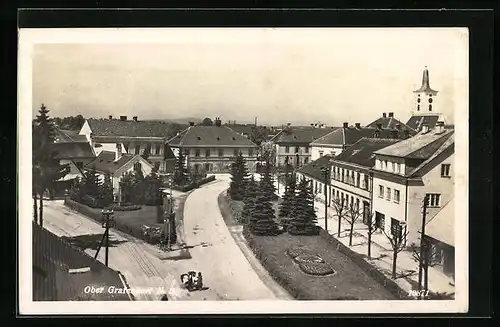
(134, 118)
(191, 123)
(118, 153)
(391, 115)
(384, 115)
(123, 118)
(110, 116)
(398, 127)
(358, 125)
(425, 128)
(379, 125)
(217, 122)
(346, 124)
(288, 124)
(439, 127)
(312, 124)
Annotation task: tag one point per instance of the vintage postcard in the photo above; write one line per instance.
(258, 170)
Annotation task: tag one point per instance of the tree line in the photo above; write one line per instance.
(73, 123)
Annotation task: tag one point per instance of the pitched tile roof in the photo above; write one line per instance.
(389, 122)
(130, 128)
(436, 148)
(69, 136)
(105, 162)
(73, 150)
(417, 120)
(52, 259)
(294, 135)
(421, 146)
(313, 169)
(169, 154)
(361, 152)
(210, 136)
(351, 135)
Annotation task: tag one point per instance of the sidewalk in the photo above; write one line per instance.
(381, 251)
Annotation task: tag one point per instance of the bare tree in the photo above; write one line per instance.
(429, 256)
(340, 211)
(397, 238)
(352, 216)
(372, 228)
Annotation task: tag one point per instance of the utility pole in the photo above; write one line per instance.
(422, 245)
(107, 223)
(324, 170)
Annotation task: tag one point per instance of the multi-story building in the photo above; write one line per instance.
(147, 138)
(293, 144)
(388, 121)
(340, 139)
(425, 108)
(212, 148)
(314, 173)
(351, 180)
(405, 173)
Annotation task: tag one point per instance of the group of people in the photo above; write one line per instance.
(192, 281)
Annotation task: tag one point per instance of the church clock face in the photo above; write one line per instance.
(430, 100)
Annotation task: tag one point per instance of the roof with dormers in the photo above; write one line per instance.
(210, 136)
(361, 152)
(350, 135)
(313, 169)
(105, 162)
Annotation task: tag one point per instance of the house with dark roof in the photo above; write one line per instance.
(293, 144)
(314, 173)
(62, 272)
(425, 108)
(388, 121)
(117, 164)
(351, 181)
(212, 148)
(409, 171)
(335, 142)
(146, 138)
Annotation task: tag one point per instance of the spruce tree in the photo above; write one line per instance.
(262, 222)
(239, 178)
(106, 191)
(303, 220)
(267, 182)
(251, 190)
(287, 204)
(180, 171)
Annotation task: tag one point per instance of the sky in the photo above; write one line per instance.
(300, 76)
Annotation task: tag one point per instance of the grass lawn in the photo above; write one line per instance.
(136, 218)
(348, 282)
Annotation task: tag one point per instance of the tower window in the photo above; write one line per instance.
(430, 107)
(418, 107)
(418, 100)
(430, 100)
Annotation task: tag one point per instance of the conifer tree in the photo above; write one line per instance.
(249, 201)
(287, 204)
(303, 220)
(262, 222)
(239, 178)
(180, 171)
(106, 191)
(267, 182)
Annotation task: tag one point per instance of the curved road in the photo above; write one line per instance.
(226, 271)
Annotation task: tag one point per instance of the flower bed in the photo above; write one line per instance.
(316, 268)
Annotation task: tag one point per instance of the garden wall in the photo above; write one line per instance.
(96, 215)
(360, 261)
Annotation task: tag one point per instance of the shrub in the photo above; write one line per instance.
(306, 258)
(316, 268)
(296, 251)
(131, 207)
(193, 185)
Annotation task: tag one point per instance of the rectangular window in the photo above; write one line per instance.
(380, 191)
(385, 164)
(358, 180)
(320, 153)
(445, 170)
(388, 194)
(380, 220)
(207, 167)
(306, 160)
(137, 149)
(287, 149)
(396, 196)
(221, 152)
(306, 149)
(366, 182)
(197, 153)
(207, 153)
(433, 200)
(250, 152)
(158, 150)
(296, 149)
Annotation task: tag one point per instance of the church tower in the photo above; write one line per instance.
(425, 97)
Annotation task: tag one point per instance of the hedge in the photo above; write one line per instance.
(122, 227)
(360, 261)
(193, 185)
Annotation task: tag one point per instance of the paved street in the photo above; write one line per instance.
(226, 271)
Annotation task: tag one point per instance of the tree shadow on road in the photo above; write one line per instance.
(90, 241)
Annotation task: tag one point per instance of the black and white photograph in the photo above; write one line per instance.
(243, 170)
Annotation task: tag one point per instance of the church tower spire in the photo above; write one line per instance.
(425, 96)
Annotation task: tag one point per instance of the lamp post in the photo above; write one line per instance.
(107, 223)
(326, 173)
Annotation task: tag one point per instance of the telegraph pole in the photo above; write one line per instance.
(422, 244)
(324, 170)
(107, 223)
